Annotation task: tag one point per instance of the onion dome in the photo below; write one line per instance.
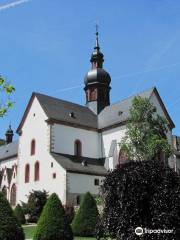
(97, 82)
(97, 74)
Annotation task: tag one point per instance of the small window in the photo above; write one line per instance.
(27, 173)
(54, 175)
(14, 175)
(36, 171)
(52, 164)
(4, 177)
(96, 182)
(77, 148)
(33, 147)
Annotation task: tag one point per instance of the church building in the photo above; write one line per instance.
(68, 148)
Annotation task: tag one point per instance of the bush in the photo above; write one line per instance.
(86, 218)
(19, 214)
(10, 228)
(145, 194)
(35, 204)
(53, 223)
(70, 212)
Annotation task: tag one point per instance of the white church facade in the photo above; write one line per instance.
(68, 148)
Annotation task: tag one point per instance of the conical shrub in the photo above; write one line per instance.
(19, 214)
(53, 223)
(85, 221)
(10, 228)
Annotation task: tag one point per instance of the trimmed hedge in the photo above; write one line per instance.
(10, 228)
(19, 214)
(86, 218)
(53, 223)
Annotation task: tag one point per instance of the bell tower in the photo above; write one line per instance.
(97, 81)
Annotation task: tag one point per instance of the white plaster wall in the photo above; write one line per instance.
(155, 102)
(65, 136)
(107, 138)
(36, 128)
(82, 183)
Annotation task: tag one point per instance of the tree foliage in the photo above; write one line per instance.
(86, 218)
(35, 204)
(53, 223)
(10, 228)
(5, 89)
(70, 212)
(146, 132)
(141, 194)
(19, 214)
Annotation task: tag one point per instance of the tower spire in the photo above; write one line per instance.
(97, 81)
(97, 37)
(97, 58)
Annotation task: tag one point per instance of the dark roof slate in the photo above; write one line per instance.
(8, 150)
(61, 110)
(72, 164)
(119, 111)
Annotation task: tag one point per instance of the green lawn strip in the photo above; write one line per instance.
(84, 238)
(29, 231)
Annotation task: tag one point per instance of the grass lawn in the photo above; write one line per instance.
(83, 238)
(29, 231)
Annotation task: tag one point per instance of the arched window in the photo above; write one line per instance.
(36, 171)
(27, 173)
(4, 191)
(78, 200)
(13, 195)
(33, 147)
(77, 148)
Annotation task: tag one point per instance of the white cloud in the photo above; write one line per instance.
(12, 4)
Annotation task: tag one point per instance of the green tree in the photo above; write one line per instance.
(53, 223)
(6, 90)
(86, 218)
(10, 228)
(19, 214)
(146, 132)
(35, 204)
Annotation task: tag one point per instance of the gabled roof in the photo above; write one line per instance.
(73, 164)
(119, 112)
(62, 111)
(9, 150)
(67, 113)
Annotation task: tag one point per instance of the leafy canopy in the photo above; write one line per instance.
(140, 194)
(35, 204)
(146, 132)
(19, 214)
(6, 90)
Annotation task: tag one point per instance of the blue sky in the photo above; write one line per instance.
(45, 46)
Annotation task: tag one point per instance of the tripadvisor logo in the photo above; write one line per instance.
(139, 231)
